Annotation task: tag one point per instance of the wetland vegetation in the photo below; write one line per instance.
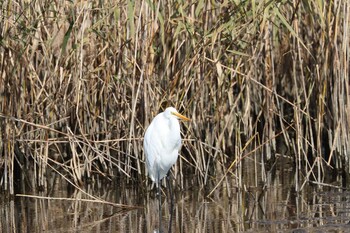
(266, 84)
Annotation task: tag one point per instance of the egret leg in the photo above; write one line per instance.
(171, 203)
(170, 190)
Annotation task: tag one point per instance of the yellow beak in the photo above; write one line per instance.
(180, 116)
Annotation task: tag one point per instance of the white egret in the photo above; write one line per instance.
(162, 143)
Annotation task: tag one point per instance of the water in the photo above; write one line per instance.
(270, 206)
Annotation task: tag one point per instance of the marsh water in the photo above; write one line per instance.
(270, 206)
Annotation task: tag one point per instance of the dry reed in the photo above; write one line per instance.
(80, 81)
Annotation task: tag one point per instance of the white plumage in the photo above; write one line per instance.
(162, 143)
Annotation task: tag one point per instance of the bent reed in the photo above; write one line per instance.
(261, 80)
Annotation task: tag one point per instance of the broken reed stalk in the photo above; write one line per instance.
(130, 207)
(79, 83)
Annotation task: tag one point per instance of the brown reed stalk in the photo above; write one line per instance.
(80, 82)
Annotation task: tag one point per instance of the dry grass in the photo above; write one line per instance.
(80, 81)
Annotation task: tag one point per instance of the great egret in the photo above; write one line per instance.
(161, 143)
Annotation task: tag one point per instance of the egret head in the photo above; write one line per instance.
(171, 112)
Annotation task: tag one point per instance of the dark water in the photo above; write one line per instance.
(269, 206)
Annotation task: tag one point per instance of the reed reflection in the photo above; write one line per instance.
(159, 215)
(269, 207)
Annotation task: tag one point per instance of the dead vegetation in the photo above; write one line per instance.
(79, 83)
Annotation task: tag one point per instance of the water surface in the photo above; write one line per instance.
(270, 206)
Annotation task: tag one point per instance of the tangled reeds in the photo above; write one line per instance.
(80, 81)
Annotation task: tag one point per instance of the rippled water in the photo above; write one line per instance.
(271, 206)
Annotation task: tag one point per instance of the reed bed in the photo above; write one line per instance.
(81, 80)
